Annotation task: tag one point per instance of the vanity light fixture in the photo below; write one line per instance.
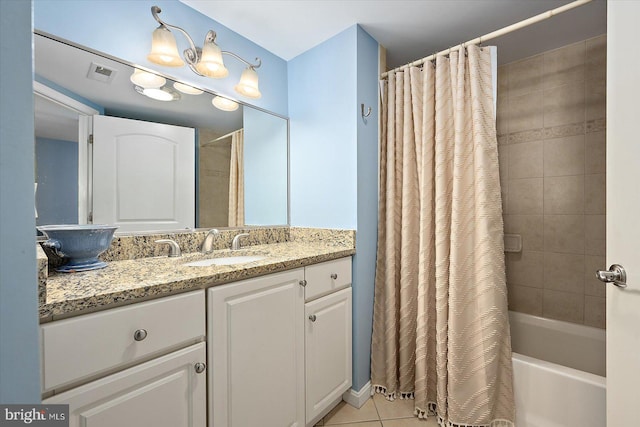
(224, 104)
(158, 93)
(147, 80)
(206, 61)
(189, 90)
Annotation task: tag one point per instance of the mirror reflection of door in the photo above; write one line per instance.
(144, 179)
(62, 128)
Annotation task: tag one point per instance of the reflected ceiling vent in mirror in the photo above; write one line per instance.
(206, 61)
(101, 73)
(224, 104)
(147, 80)
(189, 90)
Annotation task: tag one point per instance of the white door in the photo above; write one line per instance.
(143, 175)
(164, 392)
(256, 352)
(327, 350)
(623, 212)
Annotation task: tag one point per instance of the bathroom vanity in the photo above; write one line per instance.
(153, 341)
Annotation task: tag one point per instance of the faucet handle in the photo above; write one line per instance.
(174, 249)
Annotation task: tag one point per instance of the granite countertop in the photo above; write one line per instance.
(134, 280)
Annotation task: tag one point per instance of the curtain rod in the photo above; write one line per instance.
(518, 25)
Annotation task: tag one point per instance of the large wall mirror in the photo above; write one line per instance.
(233, 171)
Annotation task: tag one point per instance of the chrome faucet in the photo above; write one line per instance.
(174, 248)
(235, 244)
(207, 245)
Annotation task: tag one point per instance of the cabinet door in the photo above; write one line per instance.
(164, 392)
(256, 352)
(328, 350)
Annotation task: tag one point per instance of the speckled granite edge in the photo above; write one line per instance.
(43, 272)
(132, 280)
(336, 236)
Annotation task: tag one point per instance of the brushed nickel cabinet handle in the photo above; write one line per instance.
(140, 334)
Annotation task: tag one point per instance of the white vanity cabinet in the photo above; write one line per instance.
(256, 352)
(279, 346)
(138, 365)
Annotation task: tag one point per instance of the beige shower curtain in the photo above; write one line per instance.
(236, 180)
(441, 331)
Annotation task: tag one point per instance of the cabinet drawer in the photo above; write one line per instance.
(327, 277)
(81, 347)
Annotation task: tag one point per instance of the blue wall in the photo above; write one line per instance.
(364, 262)
(265, 168)
(123, 29)
(19, 356)
(334, 160)
(322, 108)
(57, 178)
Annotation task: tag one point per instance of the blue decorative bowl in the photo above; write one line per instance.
(80, 243)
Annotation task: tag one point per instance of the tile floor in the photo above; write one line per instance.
(377, 412)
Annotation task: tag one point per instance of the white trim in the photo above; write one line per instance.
(62, 99)
(358, 398)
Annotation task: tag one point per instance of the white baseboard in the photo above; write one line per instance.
(358, 398)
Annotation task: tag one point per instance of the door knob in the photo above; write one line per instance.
(313, 317)
(615, 275)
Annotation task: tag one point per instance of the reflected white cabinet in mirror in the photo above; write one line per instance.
(240, 157)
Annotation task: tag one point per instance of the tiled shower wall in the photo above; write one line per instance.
(551, 136)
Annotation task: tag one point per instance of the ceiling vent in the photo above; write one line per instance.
(101, 73)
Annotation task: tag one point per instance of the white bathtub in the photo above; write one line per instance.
(547, 393)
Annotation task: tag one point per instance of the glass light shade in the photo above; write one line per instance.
(147, 80)
(159, 94)
(224, 104)
(248, 85)
(164, 50)
(211, 63)
(189, 90)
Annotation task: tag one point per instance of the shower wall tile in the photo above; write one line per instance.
(596, 99)
(564, 194)
(526, 76)
(502, 115)
(525, 196)
(595, 194)
(525, 111)
(525, 299)
(595, 148)
(552, 137)
(503, 80)
(565, 306)
(595, 311)
(525, 268)
(564, 65)
(593, 286)
(564, 272)
(596, 58)
(530, 227)
(564, 156)
(564, 104)
(595, 234)
(564, 234)
(525, 160)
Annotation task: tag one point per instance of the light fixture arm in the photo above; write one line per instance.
(249, 64)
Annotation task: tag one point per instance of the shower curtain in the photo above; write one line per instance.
(441, 331)
(236, 180)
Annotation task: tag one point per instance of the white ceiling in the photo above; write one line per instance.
(409, 29)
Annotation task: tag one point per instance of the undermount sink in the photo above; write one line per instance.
(241, 259)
